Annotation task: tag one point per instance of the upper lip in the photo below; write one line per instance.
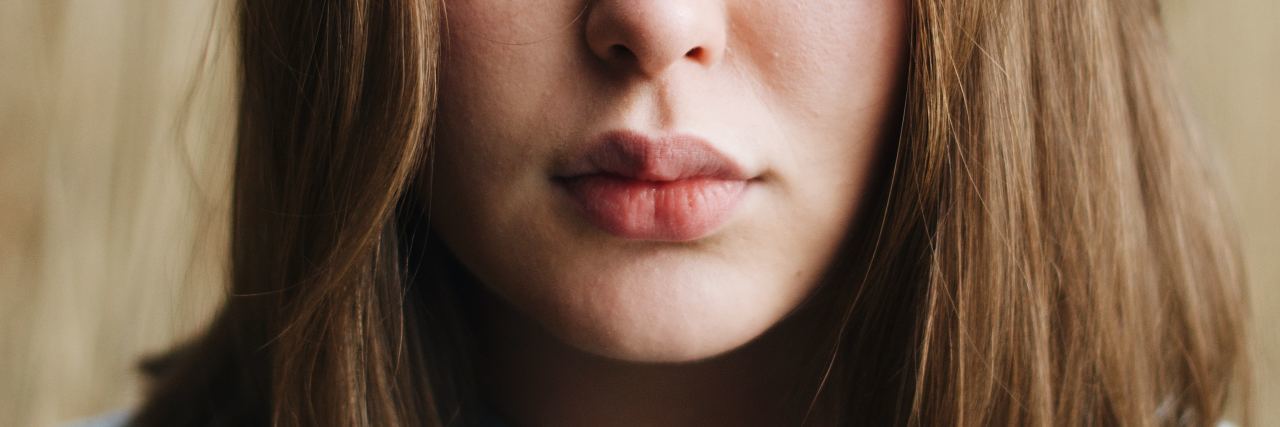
(633, 155)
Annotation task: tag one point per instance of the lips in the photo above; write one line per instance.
(674, 188)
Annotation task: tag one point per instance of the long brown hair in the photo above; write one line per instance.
(1047, 246)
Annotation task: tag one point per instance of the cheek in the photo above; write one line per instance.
(503, 63)
(827, 59)
(831, 70)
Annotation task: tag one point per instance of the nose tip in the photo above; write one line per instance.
(648, 37)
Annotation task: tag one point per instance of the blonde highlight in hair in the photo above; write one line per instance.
(1048, 247)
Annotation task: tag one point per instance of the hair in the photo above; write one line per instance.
(1046, 245)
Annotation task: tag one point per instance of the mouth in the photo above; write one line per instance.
(676, 188)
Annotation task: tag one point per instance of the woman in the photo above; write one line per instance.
(724, 212)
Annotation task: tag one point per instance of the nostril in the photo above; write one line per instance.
(621, 52)
(695, 53)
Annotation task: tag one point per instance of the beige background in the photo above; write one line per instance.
(113, 160)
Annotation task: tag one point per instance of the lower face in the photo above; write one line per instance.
(659, 181)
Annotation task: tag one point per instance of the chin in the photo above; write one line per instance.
(657, 342)
(668, 316)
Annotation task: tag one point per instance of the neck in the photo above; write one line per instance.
(531, 378)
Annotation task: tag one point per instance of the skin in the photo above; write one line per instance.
(801, 93)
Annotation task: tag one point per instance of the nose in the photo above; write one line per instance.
(650, 36)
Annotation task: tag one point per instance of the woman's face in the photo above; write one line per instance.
(659, 180)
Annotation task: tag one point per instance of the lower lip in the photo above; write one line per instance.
(683, 210)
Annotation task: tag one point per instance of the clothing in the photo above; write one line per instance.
(117, 418)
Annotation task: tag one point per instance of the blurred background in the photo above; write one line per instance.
(115, 136)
